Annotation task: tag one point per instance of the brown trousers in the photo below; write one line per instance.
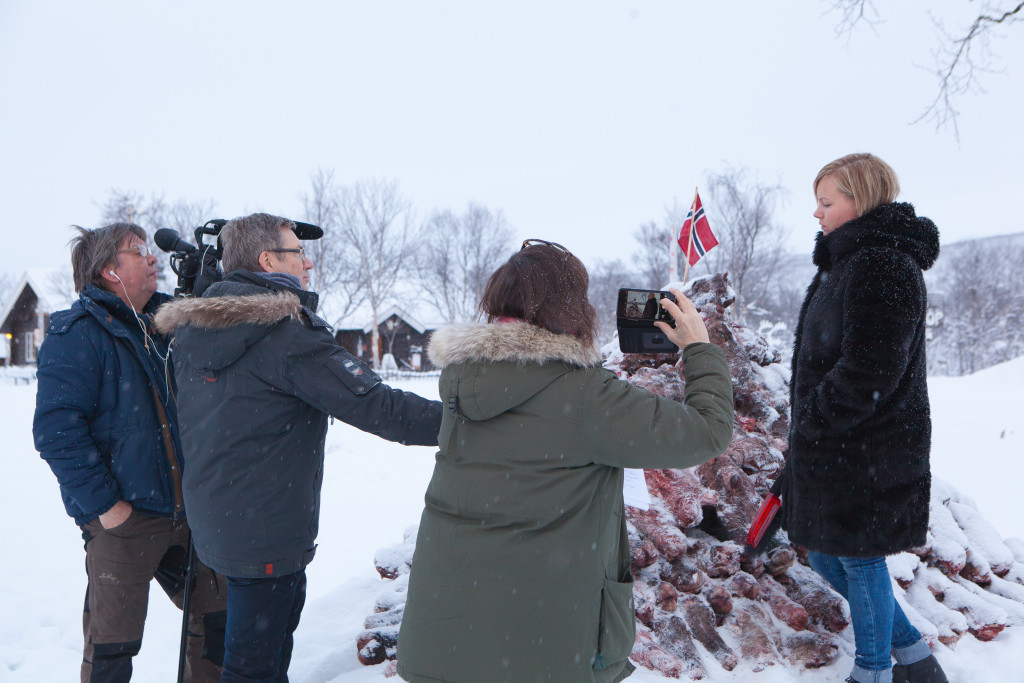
(120, 563)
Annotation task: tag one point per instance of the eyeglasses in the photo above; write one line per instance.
(140, 249)
(299, 250)
(545, 243)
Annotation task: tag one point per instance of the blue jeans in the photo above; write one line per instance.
(879, 625)
(262, 616)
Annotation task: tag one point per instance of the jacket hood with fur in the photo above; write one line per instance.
(893, 226)
(516, 342)
(493, 368)
(236, 321)
(223, 312)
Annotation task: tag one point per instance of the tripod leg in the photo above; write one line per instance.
(190, 578)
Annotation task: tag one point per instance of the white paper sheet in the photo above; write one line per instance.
(634, 490)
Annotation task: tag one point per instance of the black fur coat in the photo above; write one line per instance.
(858, 480)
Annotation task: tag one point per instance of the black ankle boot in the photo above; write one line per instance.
(925, 671)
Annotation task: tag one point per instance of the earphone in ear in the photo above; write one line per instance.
(112, 273)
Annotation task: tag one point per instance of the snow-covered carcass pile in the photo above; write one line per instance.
(706, 599)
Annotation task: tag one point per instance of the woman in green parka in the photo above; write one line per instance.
(521, 569)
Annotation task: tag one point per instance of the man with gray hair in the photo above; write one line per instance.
(259, 373)
(106, 424)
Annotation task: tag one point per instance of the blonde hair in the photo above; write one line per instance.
(864, 178)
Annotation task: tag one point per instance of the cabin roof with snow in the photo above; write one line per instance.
(418, 325)
(402, 315)
(42, 283)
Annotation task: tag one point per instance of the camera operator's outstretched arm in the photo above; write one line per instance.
(326, 376)
(690, 327)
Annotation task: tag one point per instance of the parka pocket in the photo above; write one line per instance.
(618, 629)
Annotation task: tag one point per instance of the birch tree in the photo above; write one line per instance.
(751, 242)
(335, 275)
(458, 254)
(376, 223)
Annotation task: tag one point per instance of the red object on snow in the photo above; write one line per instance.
(764, 517)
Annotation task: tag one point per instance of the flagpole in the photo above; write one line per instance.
(671, 258)
(689, 238)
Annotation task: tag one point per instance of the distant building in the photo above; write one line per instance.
(25, 315)
(401, 335)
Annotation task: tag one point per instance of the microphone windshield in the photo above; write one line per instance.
(168, 240)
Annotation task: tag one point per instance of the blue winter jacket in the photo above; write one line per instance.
(97, 423)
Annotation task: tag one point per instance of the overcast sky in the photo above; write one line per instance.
(579, 120)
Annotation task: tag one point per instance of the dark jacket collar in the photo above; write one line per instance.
(115, 305)
(119, 320)
(254, 283)
(895, 226)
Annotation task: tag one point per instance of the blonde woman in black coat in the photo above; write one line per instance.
(857, 482)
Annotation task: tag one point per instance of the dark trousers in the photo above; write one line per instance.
(262, 616)
(120, 564)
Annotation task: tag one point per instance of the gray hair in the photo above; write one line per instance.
(246, 237)
(92, 251)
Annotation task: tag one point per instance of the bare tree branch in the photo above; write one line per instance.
(335, 275)
(62, 288)
(651, 259)
(154, 213)
(458, 255)
(185, 216)
(957, 63)
(751, 242)
(956, 67)
(606, 277)
(131, 206)
(7, 283)
(854, 12)
(375, 222)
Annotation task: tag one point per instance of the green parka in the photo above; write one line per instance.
(521, 569)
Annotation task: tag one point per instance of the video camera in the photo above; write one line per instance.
(199, 267)
(196, 267)
(635, 315)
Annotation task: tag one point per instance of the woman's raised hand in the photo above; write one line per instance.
(690, 327)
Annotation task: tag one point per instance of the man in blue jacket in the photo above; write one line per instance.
(106, 424)
(259, 374)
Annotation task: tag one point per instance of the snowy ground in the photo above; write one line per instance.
(373, 491)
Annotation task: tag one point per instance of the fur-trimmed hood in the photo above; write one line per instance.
(517, 342)
(223, 312)
(215, 331)
(893, 226)
(491, 369)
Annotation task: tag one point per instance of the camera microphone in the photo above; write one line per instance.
(168, 240)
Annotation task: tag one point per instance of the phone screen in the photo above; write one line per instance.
(643, 304)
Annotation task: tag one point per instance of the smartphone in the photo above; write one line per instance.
(636, 313)
(644, 304)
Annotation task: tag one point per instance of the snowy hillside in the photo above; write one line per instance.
(373, 491)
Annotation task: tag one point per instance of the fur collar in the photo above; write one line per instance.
(516, 341)
(223, 312)
(894, 226)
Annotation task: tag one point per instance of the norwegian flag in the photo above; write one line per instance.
(699, 231)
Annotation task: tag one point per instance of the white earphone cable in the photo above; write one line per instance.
(142, 326)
